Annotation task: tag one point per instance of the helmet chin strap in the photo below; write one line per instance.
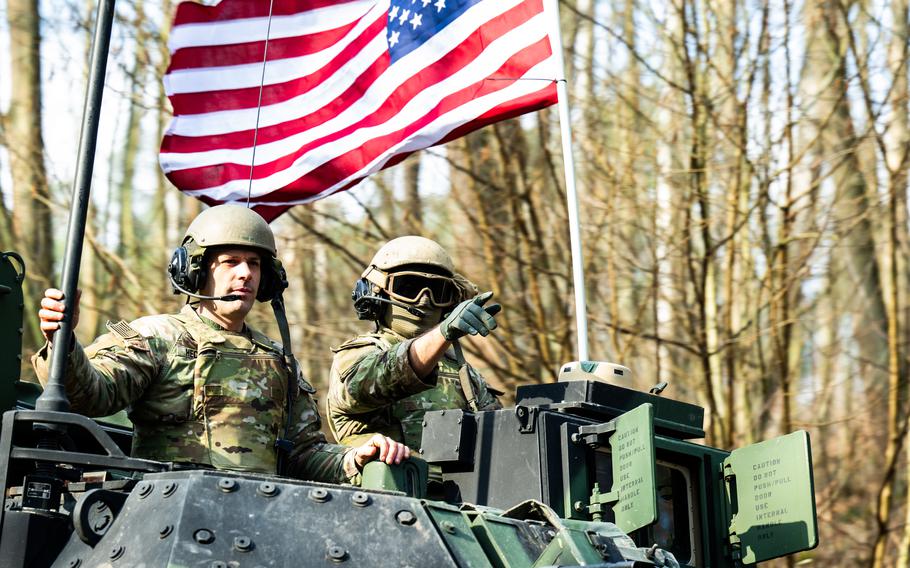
(284, 444)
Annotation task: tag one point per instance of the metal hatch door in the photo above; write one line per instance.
(632, 496)
(633, 469)
(770, 497)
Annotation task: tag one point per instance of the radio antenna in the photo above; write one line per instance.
(265, 56)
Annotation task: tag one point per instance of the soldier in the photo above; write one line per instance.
(202, 386)
(385, 381)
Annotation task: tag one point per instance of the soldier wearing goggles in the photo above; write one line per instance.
(384, 382)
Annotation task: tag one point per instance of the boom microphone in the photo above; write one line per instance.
(228, 298)
(411, 309)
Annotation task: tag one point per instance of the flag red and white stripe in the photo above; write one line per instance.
(337, 103)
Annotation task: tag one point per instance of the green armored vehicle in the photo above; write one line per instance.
(593, 450)
(581, 472)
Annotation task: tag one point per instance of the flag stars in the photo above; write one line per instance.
(414, 20)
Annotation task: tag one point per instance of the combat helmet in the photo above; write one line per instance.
(403, 270)
(230, 225)
(408, 251)
(226, 225)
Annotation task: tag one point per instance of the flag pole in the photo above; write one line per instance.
(54, 395)
(565, 127)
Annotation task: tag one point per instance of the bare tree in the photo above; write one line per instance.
(31, 217)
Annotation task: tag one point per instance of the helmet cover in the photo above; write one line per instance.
(231, 225)
(404, 251)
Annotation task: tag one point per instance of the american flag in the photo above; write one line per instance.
(348, 88)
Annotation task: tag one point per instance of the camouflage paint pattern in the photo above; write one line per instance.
(198, 393)
(373, 389)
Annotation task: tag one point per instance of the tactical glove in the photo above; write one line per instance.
(470, 317)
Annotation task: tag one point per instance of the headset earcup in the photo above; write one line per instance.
(266, 285)
(177, 267)
(365, 304)
(274, 281)
(195, 272)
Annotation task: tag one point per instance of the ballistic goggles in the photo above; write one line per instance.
(408, 286)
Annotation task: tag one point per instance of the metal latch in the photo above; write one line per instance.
(594, 435)
(598, 503)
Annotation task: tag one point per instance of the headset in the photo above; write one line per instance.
(187, 273)
(369, 300)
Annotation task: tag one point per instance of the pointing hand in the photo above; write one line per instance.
(470, 317)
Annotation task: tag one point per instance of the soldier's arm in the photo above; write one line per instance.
(425, 352)
(470, 317)
(367, 378)
(312, 458)
(107, 376)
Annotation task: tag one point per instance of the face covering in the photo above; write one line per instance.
(407, 324)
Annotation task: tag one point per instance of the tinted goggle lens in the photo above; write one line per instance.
(408, 286)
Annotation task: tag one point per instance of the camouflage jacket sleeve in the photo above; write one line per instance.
(312, 458)
(367, 377)
(108, 375)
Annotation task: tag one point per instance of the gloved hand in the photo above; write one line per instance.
(470, 317)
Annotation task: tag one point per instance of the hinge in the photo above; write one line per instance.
(729, 477)
(527, 418)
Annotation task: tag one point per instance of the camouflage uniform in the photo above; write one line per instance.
(199, 393)
(374, 389)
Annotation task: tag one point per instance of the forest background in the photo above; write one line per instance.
(743, 177)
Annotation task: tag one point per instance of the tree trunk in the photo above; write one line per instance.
(31, 213)
(6, 217)
(832, 150)
(699, 245)
(161, 243)
(413, 213)
(896, 141)
(898, 161)
(127, 246)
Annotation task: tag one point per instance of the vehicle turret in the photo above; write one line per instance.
(598, 451)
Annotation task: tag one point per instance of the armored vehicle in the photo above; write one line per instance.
(582, 472)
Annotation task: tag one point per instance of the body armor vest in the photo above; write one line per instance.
(221, 401)
(405, 416)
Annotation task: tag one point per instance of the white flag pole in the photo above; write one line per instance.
(578, 270)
